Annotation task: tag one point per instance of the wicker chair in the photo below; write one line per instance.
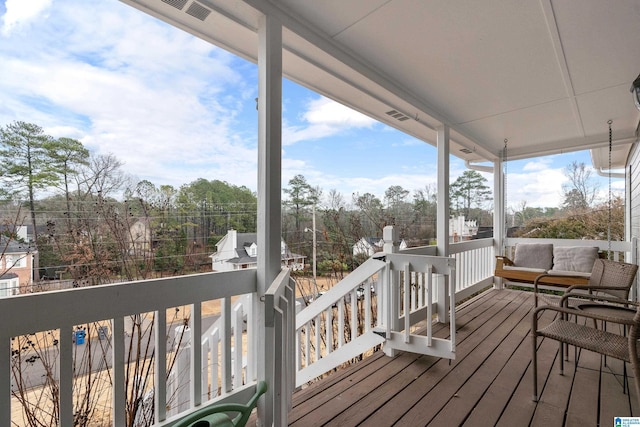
(587, 336)
(607, 277)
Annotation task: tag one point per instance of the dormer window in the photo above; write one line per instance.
(252, 250)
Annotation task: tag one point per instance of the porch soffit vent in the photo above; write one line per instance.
(178, 4)
(398, 115)
(466, 151)
(198, 11)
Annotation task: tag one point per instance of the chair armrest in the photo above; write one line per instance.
(502, 260)
(560, 276)
(576, 312)
(595, 288)
(606, 298)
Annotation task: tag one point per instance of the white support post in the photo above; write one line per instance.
(160, 366)
(5, 378)
(119, 391)
(66, 375)
(442, 233)
(390, 290)
(269, 192)
(182, 373)
(195, 325)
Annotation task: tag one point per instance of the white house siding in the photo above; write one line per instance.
(226, 250)
(231, 255)
(634, 190)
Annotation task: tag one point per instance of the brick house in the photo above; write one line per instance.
(16, 266)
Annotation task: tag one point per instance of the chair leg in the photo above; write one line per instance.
(534, 363)
(562, 358)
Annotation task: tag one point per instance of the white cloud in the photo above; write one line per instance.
(537, 187)
(126, 84)
(174, 108)
(20, 13)
(325, 118)
(538, 164)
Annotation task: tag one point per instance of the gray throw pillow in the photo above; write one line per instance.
(534, 255)
(574, 258)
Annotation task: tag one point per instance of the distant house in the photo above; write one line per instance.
(16, 266)
(238, 251)
(140, 242)
(368, 246)
(462, 229)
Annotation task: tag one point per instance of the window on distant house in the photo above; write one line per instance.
(8, 287)
(16, 261)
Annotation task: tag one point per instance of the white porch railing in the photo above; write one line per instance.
(60, 312)
(222, 344)
(280, 306)
(376, 304)
(333, 330)
(346, 322)
(382, 300)
(337, 327)
(475, 262)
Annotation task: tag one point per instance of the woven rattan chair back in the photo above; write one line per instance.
(615, 274)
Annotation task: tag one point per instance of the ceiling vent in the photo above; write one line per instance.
(398, 115)
(198, 11)
(466, 151)
(178, 4)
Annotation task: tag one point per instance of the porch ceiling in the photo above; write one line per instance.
(545, 75)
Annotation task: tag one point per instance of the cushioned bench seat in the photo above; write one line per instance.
(552, 265)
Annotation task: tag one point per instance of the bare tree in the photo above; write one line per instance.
(581, 191)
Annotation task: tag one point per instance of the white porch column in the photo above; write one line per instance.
(499, 231)
(442, 231)
(390, 289)
(269, 190)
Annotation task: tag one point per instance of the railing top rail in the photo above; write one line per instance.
(30, 313)
(420, 250)
(468, 245)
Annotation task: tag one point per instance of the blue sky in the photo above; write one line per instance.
(174, 108)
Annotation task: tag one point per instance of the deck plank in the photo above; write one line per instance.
(583, 404)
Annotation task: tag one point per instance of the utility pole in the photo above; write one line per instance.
(313, 226)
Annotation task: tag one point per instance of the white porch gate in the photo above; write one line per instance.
(378, 304)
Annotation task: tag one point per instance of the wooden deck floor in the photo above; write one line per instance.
(489, 383)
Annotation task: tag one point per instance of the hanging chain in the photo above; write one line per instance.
(504, 196)
(610, 197)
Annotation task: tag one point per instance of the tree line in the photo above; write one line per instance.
(82, 209)
(82, 206)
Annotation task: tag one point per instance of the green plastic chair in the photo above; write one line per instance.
(216, 414)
